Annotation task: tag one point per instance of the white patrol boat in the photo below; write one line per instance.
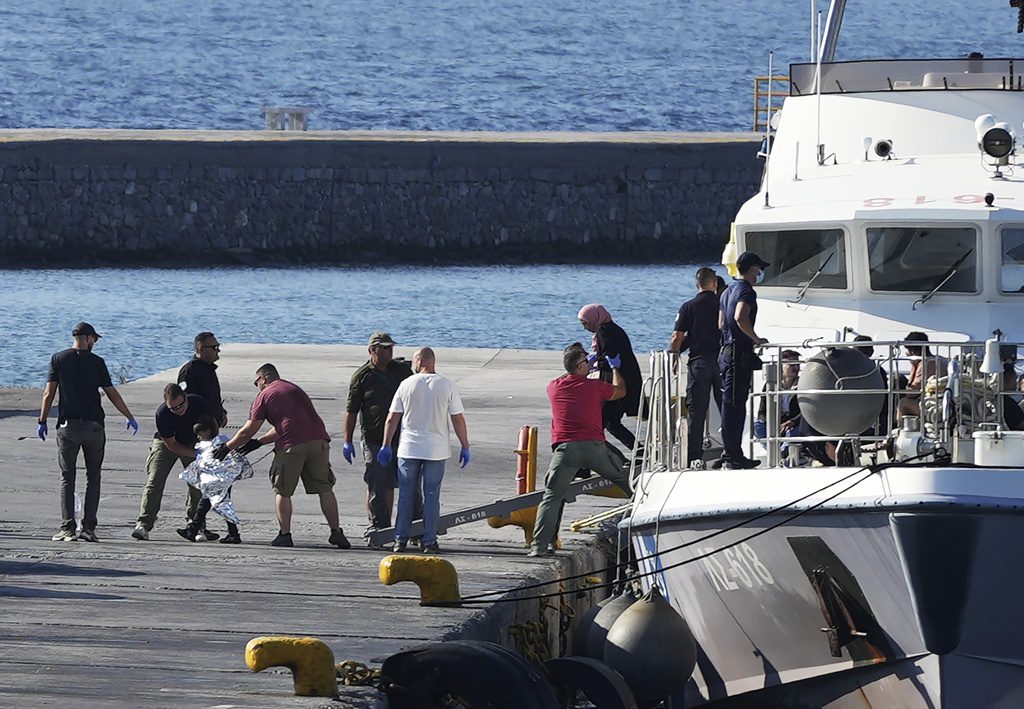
(892, 201)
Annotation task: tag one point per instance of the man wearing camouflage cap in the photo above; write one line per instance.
(370, 393)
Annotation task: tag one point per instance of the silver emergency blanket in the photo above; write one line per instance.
(214, 478)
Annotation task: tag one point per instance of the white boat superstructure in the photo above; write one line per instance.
(892, 201)
(891, 226)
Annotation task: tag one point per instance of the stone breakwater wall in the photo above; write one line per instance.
(171, 198)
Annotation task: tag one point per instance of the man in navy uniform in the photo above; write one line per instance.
(737, 361)
(697, 330)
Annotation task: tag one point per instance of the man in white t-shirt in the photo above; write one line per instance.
(423, 404)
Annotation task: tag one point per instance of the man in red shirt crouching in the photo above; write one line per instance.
(577, 439)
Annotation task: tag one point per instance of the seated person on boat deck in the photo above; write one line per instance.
(923, 364)
(789, 407)
(1013, 415)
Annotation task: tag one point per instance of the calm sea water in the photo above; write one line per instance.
(440, 64)
(148, 317)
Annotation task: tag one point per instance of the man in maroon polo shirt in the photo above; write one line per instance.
(301, 451)
(577, 439)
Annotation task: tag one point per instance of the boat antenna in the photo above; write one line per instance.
(814, 48)
(817, 90)
(768, 130)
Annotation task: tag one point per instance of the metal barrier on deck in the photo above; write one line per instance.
(954, 402)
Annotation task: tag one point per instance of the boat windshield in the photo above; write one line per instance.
(796, 255)
(917, 258)
(1011, 277)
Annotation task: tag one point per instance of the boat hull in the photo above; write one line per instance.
(881, 607)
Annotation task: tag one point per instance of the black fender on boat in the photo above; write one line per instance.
(611, 608)
(480, 674)
(602, 685)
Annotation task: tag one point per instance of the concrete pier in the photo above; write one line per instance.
(165, 622)
(79, 197)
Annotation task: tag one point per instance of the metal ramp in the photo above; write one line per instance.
(498, 508)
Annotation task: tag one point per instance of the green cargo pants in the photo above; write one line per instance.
(566, 460)
(158, 466)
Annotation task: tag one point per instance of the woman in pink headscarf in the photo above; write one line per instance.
(610, 339)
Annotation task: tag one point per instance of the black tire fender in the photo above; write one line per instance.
(602, 685)
(483, 675)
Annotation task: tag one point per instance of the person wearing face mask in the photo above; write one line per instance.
(737, 361)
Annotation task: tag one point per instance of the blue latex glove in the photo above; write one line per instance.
(384, 455)
(592, 360)
(464, 457)
(41, 431)
(349, 451)
(614, 362)
(133, 425)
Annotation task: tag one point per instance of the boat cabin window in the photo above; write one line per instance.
(1011, 276)
(797, 255)
(920, 258)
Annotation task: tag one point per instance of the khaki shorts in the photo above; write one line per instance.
(309, 461)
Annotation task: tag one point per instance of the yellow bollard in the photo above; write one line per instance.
(437, 579)
(309, 659)
(524, 519)
(612, 491)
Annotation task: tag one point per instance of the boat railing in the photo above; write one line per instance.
(908, 75)
(954, 393)
(663, 428)
(766, 90)
(941, 383)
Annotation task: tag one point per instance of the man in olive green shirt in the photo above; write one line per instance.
(370, 393)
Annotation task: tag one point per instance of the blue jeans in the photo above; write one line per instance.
(410, 472)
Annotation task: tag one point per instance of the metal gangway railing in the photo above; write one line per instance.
(954, 400)
(663, 430)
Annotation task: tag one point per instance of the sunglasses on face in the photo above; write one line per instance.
(179, 406)
(257, 380)
(212, 347)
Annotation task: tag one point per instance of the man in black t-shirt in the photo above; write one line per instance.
(174, 440)
(199, 374)
(696, 329)
(370, 392)
(77, 375)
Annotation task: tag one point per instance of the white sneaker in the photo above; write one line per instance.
(141, 533)
(65, 535)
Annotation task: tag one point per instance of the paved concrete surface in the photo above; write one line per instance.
(164, 623)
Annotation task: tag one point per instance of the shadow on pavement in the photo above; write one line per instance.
(19, 592)
(38, 568)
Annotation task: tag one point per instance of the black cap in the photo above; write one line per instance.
(84, 328)
(748, 259)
